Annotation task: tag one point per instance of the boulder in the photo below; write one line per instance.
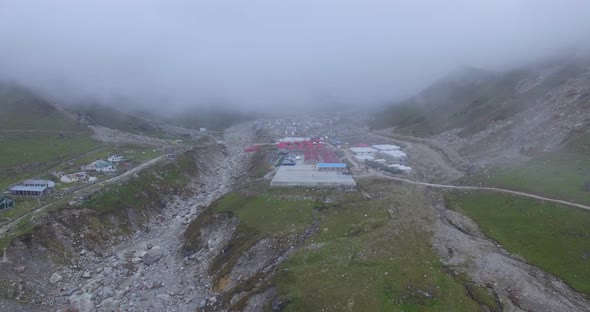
(109, 305)
(153, 255)
(55, 278)
(164, 299)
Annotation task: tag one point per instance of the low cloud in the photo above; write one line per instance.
(271, 55)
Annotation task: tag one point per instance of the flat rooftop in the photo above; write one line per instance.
(307, 175)
(28, 188)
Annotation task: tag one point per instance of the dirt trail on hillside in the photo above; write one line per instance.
(149, 273)
(446, 171)
(108, 135)
(476, 188)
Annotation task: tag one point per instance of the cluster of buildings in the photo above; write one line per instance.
(387, 155)
(97, 166)
(100, 166)
(38, 187)
(313, 127)
(305, 162)
(81, 176)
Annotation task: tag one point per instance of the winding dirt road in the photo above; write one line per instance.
(373, 172)
(482, 188)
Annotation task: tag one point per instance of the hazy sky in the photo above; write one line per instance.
(271, 54)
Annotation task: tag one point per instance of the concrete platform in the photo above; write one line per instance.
(307, 175)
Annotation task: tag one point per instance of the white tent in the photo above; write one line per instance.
(404, 169)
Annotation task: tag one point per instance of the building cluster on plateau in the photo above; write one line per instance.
(41, 187)
(309, 162)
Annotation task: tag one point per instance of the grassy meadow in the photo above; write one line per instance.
(553, 237)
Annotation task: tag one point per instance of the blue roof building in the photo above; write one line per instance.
(331, 166)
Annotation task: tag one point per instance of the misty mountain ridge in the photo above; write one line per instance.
(528, 109)
(23, 108)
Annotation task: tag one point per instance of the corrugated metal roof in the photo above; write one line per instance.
(29, 188)
(331, 165)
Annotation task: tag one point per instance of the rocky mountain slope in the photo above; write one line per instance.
(497, 115)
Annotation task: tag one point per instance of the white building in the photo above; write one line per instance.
(402, 168)
(74, 177)
(364, 157)
(394, 155)
(294, 139)
(116, 158)
(290, 130)
(386, 147)
(100, 166)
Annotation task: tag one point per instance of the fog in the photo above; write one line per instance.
(271, 55)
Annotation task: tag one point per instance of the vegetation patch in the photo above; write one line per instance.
(24, 205)
(561, 174)
(24, 227)
(553, 237)
(268, 214)
(372, 255)
(26, 154)
(260, 163)
(149, 189)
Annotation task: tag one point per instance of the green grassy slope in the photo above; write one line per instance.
(28, 154)
(366, 255)
(375, 256)
(268, 214)
(54, 139)
(149, 187)
(22, 110)
(552, 237)
(563, 174)
(111, 118)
